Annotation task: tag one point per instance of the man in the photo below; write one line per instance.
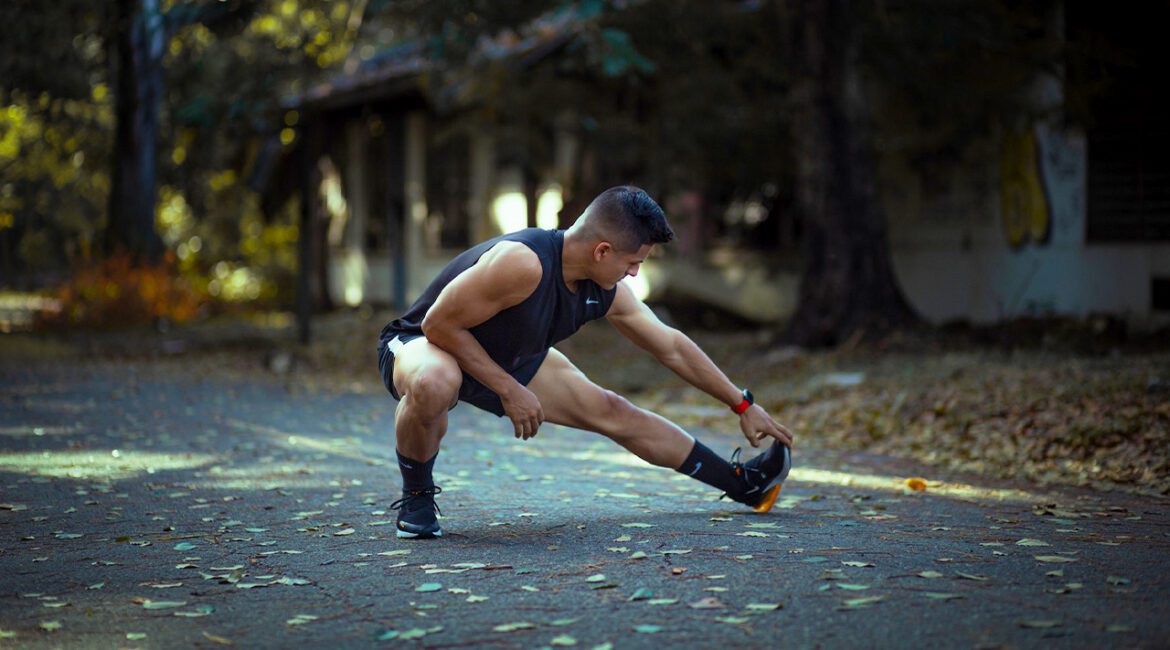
(483, 332)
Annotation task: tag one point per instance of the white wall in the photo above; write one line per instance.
(952, 256)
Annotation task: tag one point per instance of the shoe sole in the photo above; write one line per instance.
(406, 534)
(773, 489)
(768, 501)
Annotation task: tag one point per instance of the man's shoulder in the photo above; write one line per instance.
(512, 262)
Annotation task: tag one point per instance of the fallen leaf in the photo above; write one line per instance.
(763, 607)
(971, 576)
(563, 640)
(929, 574)
(1032, 542)
(1054, 558)
(637, 524)
(1040, 623)
(214, 638)
(301, 619)
(512, 627)
(676, 551)
(50, 626)
(162, 604)
(934, 595)
(476, 599)
(647, 629)
(428, 586)
(638, 555)
(642, 594)
(1117, 580)
(184, 546)
(344, 532)
(860, 603)
(597, 577)
(852, 587)
(856, 564)
(732, 620)
(710, 602)
(916, 484)
(1115, 627)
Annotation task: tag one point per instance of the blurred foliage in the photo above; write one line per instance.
(118, 292)
(222, 86)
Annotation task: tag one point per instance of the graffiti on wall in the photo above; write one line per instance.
(1024, 204)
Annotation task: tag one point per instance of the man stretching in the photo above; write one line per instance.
(483, 332)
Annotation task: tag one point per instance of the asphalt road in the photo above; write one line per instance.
(143, 506)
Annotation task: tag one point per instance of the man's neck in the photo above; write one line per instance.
(574, 258)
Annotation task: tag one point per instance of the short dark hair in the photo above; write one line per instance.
(628, 218)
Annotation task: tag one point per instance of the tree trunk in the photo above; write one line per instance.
(137, 71)
(847, 288)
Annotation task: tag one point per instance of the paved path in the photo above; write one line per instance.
(140, 507)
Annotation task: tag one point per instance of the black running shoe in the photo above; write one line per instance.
(416, 514)
(763, 475)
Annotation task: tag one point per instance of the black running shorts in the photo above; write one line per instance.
(471, 391)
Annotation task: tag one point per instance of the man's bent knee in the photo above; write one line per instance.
(434, 390)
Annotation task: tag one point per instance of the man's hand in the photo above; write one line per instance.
(756, 425)
(524, 409)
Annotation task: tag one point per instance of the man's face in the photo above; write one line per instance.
(614, 266)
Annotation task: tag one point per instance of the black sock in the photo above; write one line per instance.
(416, 475)
(702, 464)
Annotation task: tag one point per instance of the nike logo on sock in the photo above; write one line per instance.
(406, 465)
(696, 470)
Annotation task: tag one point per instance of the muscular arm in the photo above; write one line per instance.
(502, 278)
(685, 358)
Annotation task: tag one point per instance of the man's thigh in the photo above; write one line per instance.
(418, 359)
(570, 398)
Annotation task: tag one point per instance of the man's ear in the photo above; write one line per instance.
(601, 250)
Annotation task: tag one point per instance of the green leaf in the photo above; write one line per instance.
(162, 604)
(852, 587)
(184, 546)
(563, 640)
(934, 595)
(1055, 558)
(1042, 624)
(428, 586)
(647, 629)
(642, 594)
(512, 627)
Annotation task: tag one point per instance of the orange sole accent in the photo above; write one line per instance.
(769, 500)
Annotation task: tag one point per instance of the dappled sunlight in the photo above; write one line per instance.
(348, 447)
(897, 484)
(102, 465)
(271, 476)
(881, 482)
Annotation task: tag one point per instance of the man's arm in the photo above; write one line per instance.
(502, 278)
(682, 355)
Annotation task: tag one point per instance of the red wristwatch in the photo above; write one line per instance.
(748, 400)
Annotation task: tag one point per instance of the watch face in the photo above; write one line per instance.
(747, 394)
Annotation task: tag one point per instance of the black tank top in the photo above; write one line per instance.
(527, 330)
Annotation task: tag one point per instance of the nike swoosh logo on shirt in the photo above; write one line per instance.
(590, 301)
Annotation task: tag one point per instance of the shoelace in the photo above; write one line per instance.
(739, 468)
(413, 495)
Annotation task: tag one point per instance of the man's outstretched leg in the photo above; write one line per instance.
(428, 380)
(570, 398)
